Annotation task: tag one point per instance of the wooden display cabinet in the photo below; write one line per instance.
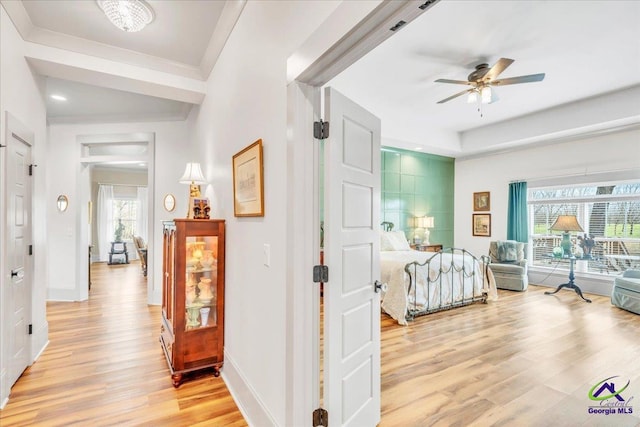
(192, 330)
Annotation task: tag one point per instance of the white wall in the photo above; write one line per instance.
(247, 100)
(21, 95)
(585, 156)
(171, 145)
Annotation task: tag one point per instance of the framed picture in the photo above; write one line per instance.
(481, 225)
(199, 208)
(248, 186)
(481, 201)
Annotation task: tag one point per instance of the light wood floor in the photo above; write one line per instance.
(527, 359)
(104, 366)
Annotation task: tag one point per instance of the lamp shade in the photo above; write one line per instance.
(566, 223)
(193, 174)
(424, 222)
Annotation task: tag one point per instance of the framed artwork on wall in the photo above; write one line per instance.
(481, 201)
(248, 186)
(481, 225)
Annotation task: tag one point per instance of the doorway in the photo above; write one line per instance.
(123, 163)
(324, 64)
(17, 295)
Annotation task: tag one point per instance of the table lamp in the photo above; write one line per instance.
(425, 222)
(566, 223)
(194, 177)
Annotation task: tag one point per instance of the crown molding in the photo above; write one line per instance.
(225, 25)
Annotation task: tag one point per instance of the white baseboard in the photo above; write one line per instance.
(39, 341)
(4, 389)
(252, 408)
(156, 297)
(62, 294)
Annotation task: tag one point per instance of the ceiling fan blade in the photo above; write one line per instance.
(497, 68)
(455, 96)
(458, 82)
(520, 79)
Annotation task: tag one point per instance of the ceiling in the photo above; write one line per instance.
(585, 48)
(191, 22)
(185, 39)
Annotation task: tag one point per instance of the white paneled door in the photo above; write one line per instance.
(18, 240)
(351, 245)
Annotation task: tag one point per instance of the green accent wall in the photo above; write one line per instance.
(418, 184)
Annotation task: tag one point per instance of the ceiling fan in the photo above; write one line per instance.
(483, 78)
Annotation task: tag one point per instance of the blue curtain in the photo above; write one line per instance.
(517, 219)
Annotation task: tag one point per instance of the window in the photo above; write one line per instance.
(610, 214)
(124, 218)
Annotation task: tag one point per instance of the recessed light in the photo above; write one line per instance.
(58, 97)
(418, 148)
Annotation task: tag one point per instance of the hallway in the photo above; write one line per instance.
(104, 366)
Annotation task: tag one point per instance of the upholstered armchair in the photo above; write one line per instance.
(626, 291)
(509, 264)
(141, 248)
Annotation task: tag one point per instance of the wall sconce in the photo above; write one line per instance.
(62, 203)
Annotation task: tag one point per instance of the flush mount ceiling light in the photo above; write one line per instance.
(58, 97)
(128, 15)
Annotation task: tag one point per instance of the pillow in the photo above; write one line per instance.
(506, 251)
(385, 242)
(399, 241)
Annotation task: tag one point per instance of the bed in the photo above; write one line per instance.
(420, 283)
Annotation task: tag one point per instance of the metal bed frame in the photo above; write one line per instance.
(451, 270)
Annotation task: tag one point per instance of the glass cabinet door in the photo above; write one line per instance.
(201, 281)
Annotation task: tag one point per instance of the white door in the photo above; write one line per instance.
(352, 245)
(18, 262)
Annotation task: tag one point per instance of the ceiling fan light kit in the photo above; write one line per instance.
(483, 78)
(472, 98)
(485, 94)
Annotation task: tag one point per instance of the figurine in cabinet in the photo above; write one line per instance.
(192, 330)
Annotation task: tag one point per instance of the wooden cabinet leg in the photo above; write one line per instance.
(216, 371)
(176, 379)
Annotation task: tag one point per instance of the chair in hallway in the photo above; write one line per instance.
(141, 248)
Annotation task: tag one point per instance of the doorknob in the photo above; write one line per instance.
(377, 286)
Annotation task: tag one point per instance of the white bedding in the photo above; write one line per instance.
(396, 301)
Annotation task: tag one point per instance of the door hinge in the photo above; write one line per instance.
(320, 417)
(321, 130)
(31, 166)
(30, 249)
(30, 329)
(320, 274)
